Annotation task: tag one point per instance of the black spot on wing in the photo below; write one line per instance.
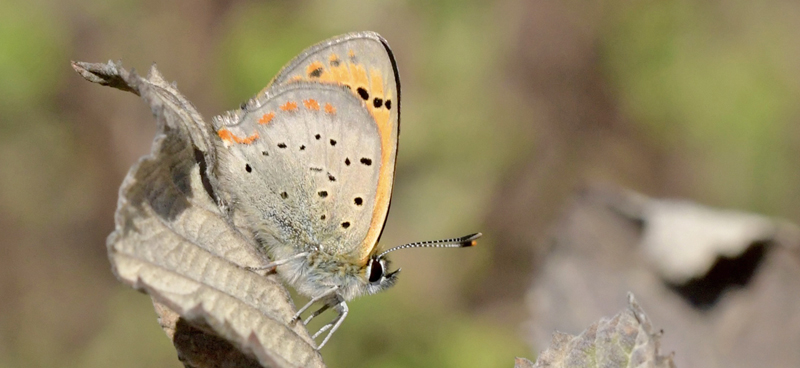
(363, 93)
(315, 73)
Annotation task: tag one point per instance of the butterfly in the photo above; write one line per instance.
(309, 162)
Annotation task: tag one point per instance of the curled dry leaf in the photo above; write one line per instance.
(625, 340)
(175, 240)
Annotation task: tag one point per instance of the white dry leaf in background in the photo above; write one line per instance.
(173, 241)
(683, 239)
(623, 341)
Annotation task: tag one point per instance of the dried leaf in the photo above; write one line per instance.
(625, 340)
(175, 240)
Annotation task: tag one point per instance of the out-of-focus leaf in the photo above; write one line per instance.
(683, 240)
(625, 340)
(173, 241)
(735, 316)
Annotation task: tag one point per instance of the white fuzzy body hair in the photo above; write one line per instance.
(317, 272)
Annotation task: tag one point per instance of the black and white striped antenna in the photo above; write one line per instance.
(462, 242)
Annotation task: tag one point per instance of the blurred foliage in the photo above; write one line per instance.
(713, 80)
(713, 85)
(437, 340)
(129, 323)
(33, 41)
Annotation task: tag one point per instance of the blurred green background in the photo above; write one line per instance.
(509, 109)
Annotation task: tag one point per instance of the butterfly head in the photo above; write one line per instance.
(378, 276)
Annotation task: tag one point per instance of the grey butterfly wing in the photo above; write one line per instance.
(364, 63)
(302, 163)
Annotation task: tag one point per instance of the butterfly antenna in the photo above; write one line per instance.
(462, 242)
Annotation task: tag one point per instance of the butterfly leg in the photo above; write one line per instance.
(326, 294)
(341, 307)
(273, 265)
(316, 313)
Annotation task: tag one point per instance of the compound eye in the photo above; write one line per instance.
(376, 271)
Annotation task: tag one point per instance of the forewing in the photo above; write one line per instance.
(364, 63)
